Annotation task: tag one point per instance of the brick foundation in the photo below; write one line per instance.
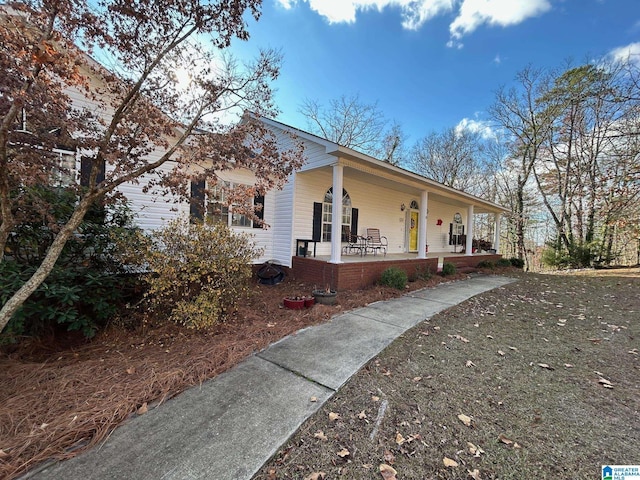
(353, 276)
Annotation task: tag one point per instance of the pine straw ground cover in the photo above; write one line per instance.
(60, 397)
(539, 379)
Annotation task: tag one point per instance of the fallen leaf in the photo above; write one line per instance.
(320, 435)
(502, 438)
(3, 454)
(375, 399)
(513, 348)
(313, 399)
(633, 352)
(343, 453)
(449, 463)
(470, 363)
(333, 416)
(546, 366)
(459, 337)
(143, 409)
(315, 476)
(417, 379)
(131, 370)
(474, 450)
(465, 419)
(568, 365)
(389, 457)
(501, 353)
(605, 383)
(362, 415)
(489, 337)
(387, 472)
(271, 325)
(43, 426)
(475, 474)
(399, 438)
(272, 475)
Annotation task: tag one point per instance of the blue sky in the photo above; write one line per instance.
(430, 64)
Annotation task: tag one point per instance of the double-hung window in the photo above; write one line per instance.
(65, 167)
(219, 210)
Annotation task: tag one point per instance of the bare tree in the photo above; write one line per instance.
(517, 112)
(130, 111)
(453, 157)
(350, 122)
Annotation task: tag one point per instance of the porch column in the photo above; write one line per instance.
(496, 233)
(469, 245)
(336, 215)
(422, 225)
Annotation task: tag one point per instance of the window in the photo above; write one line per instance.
(217, 208)
(65, 167)
(414, 205)
(327, 215)
(217, 205)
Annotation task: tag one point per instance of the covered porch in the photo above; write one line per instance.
(420, 218)
(356, 271)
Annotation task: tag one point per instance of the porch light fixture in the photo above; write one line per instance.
(402, 207)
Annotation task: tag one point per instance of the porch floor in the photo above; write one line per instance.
(355, 258)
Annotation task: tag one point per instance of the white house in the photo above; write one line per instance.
(416, 215)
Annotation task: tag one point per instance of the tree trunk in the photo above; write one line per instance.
(45, 268)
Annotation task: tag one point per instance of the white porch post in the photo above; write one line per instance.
(469, 245)
(496, 233)
(336, 215)
(422, 225)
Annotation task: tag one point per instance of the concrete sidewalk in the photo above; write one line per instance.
(230, 426)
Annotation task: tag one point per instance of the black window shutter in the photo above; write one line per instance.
(451, 234)
(259, 200)
(85, 171)
(196, 207)
(317, 222)
(354, 222)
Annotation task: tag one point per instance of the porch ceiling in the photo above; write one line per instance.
(401, 180)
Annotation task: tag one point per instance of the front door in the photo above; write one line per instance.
(413, 230)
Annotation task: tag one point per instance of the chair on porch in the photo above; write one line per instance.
(354, 242)
(376, 242)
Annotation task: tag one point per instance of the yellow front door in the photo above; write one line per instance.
(413, 232)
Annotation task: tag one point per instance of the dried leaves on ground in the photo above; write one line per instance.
(60, 397)
(544, 385)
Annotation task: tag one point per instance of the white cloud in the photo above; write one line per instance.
(479, 126)
(474, 13)
(470, 14)
(627, 54)
(497, 60)
(414, 12)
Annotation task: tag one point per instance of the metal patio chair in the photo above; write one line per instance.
(376, 242)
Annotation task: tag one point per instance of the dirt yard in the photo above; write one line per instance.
(538, 380)
(58, 397)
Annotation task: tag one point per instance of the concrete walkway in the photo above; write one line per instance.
(230, 426)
